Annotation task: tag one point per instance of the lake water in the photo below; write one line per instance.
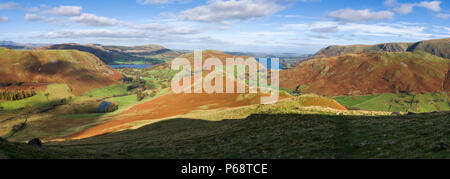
(268, 65)
(130, 66)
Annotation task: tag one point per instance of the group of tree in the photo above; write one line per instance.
(16, 95)
(142, 95)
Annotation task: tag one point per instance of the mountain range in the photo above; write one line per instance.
(148, 54)
(438, 47)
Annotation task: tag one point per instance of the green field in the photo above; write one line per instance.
(55, 92)
(262, 136)
(119, 89)
(398, 102)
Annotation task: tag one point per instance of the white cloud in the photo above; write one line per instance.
(406, 8)
(33, 9)
(3, 19)
(441, 29)
(443, 16)
(154, 1)
(94, 33)
(431, 5)
(268, 33)
(34, 17)
(64, 11)
(94, 20)
(390, 2)
(403, 30)
(147, 32)
(351, 15)
(146, 2)
(168, 29)
(224, 11)
(8, 6)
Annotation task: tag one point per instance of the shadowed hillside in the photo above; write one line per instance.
(32, 69)
(260, 136)
(369, 73)
(105, 55)
(145, 50)
(151, 54)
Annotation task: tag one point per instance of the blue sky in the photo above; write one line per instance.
(285, 26)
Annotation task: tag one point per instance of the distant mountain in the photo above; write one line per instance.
(270, 55)
(19, 46)
(150, 54)
(148, 51)
(81, 71)
(108, 57)
(438, 47)
(11, 43)
(369, 73)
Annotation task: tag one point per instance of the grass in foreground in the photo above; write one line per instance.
(419, 103)
(263, 136)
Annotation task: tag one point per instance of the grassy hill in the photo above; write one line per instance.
(81, 71)
(154, 53)
(438, 47)
(370, 73)
(417, 103)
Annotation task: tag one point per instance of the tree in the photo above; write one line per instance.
(140, 96)
(26, 112)
(138, 76)
(47, 95)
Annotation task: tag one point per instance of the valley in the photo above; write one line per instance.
(359, 101)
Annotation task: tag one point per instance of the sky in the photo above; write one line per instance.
(270, 26)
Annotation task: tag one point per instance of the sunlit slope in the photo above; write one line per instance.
(438, 47)
(417, 103)
(369, 73)
(81, 71)
(171, 104)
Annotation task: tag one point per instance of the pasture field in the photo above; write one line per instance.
(418, 103)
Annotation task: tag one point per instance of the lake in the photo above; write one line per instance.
(130, 66)
(268, 65)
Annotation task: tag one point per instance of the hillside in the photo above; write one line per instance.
(370, 73)
(438, 47)
(107, 56)
(171, 105)
(81, 71)
(150, 54)
(418, 103)
(150, 51)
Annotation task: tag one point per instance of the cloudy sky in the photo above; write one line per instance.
(292, 26)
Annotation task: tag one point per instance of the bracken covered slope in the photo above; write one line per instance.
(81, 71)
(175, 104)
(369, 73)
